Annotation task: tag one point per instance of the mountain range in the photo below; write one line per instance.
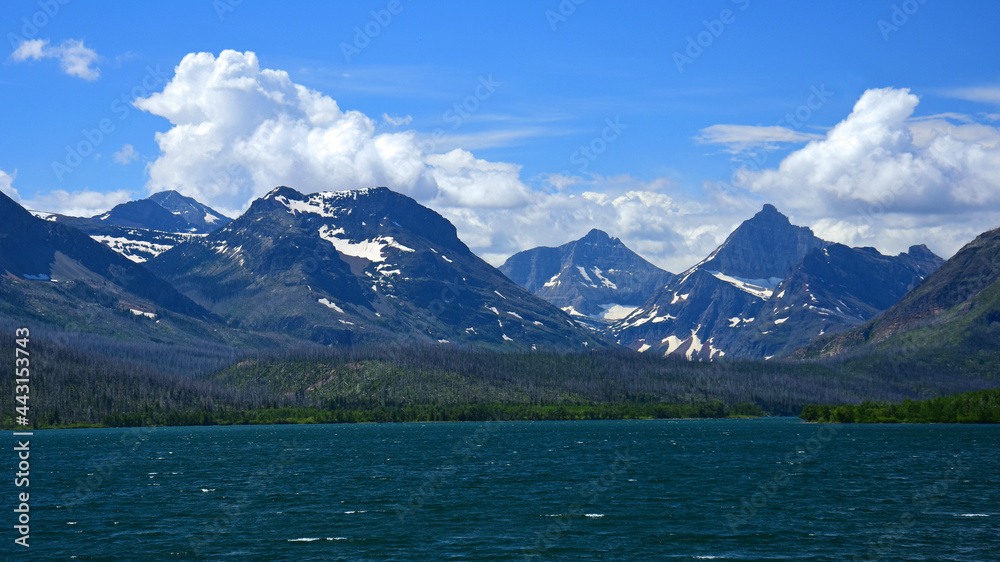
(374, 265)
(410, 313)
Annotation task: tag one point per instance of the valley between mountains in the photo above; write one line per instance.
(165, 311)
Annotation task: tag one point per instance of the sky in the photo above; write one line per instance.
(525, 123)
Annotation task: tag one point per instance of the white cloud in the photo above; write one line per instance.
(75, 58)
(740, 138)
(649, 218)
(239, 130)
(126, 155)
(7, 185)
(986, 94)
(396, 121)
(882, 178)
(84, 203)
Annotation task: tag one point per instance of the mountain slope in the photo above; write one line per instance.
(951, 321)
(596, 276)
(361, 265)
(770, 288)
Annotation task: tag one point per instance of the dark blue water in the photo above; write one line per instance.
(626, 490)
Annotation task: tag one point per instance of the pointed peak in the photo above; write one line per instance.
(596, 236)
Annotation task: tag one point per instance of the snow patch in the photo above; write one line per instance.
(761, 288)
(331, 305)
(604, 281)
(673, 343)
(616, 311)
(370, 250)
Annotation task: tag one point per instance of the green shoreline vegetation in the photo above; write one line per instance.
(155, 416)
(971, 407)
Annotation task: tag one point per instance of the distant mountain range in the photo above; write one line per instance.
(373, 265)
(769, 289)
(595, 277)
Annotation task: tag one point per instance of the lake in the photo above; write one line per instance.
(767, 489)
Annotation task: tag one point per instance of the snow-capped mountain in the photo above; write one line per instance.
(143, 229)
(51, 271)
(770, 288)
(597, 276)
(361, 265)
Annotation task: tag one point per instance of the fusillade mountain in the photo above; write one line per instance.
(596, 276)
(166, 211)
(143, 229)
(363, 265)
(769, 289)
(50, 267)
(950, 322)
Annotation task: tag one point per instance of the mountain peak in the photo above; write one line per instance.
(167, 195)
(764, 246)
(283, 191)
(921, 251)
(771, 213)
(596, 236)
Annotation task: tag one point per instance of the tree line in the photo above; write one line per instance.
(971, 407)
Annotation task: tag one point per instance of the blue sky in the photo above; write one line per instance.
(627, 116)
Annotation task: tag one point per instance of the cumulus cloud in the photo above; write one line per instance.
(882, 178)
(126, 155)
(74, 57)
(238, 130)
